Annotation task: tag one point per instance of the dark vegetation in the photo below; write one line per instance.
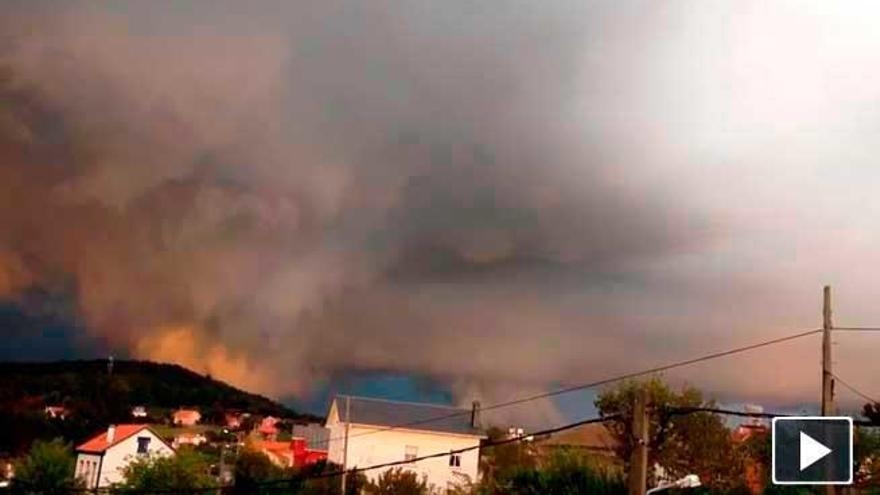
(96, 397)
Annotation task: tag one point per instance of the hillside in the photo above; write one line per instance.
(132, 382)
(97, 397)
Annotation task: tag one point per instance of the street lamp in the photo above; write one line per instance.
(689, 481)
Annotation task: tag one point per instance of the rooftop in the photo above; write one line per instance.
(99, 443)
(406, 415)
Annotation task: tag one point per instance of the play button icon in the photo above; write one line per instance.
(811, 450)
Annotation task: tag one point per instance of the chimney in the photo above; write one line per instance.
(111, 433)
(475, 414)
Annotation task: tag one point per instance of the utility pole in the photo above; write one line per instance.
(827, 374)
(345, 442)
(638, 461)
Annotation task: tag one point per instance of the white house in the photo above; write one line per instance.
(365, 432)
(101, 460)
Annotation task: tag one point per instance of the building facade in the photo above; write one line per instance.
(365, 432)
(101, 460)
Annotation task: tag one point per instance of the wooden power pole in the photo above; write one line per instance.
(345, 443)
(638, 462)
(827, 374)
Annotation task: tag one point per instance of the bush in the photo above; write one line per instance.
(253, 469)
(565, 474)
(48, 468)
(398, 482)
(185, 470)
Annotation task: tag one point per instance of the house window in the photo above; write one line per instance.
(455, 460)
(143, 445)
(410, 453)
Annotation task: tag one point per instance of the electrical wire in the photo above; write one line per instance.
(855, 390)
(598, 383)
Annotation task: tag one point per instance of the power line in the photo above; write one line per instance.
(598, 383)
(728, 412)
(855, 329)
(855, 390)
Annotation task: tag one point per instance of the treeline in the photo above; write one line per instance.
(135, 382)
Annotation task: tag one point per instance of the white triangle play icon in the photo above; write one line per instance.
(811, 451)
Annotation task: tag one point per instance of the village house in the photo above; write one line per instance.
(592, 440)
(380, 431)
(56, 412)
(315, 434)
(234, 420)
(189, 438)
(101, 460)
(755, 472)
(294, 453)
(186, 417)
(269, 428)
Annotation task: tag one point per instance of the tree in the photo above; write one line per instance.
(565, 473)
(48, 468)
(185, 470)
(499, 463)
(697, 442)
(871, 410)
(253, 469)
(317, 480)
(398, 481)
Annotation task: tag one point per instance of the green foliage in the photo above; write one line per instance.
(501, 462)
(398, 481)
(253, 469)
(311, 481)
(48, 468)
(565, 474)
(682, 444)
(185, 470)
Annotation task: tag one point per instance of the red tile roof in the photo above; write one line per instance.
(98, 443)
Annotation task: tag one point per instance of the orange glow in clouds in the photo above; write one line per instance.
(183, 345)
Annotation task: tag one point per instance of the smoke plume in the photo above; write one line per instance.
(500, 196)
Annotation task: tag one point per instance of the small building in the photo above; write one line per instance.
(56, 412)
(234, 420)
(101, 460)
(316, 435)
(269, 428)
(139, 412)
(186, 417)
(7, 466)
(753, 427)
(365, 432)
(294, 453)
(188, 438)
(594, 440)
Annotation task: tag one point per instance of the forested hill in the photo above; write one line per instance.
(130, 383)
(96, 397)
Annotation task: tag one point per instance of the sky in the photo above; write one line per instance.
(496, 198)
